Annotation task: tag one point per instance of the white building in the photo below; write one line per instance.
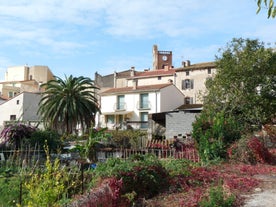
(23, 107)
(130, 106)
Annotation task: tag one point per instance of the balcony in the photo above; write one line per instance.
(143, 105)
(120, 106)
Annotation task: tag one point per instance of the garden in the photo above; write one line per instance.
(32, 175)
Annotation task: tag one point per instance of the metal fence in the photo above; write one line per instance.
(187, 153)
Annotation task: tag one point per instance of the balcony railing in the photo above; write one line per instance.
(143, 105)
(120, 106)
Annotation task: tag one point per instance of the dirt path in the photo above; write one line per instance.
(265, 195)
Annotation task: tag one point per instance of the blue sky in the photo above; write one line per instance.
(84, 36)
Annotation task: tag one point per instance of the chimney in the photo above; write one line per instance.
(188, 63)
(132, 71)
(134, 84)
(183, 64)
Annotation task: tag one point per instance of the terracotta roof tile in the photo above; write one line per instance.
(138, 88)
(197, 66)
(151, 73)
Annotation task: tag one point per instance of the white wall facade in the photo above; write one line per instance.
(151, 80)
(164, 99)
(23, 107)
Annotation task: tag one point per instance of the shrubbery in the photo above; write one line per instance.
(249, 150)
(143, 175)
(40, 137)
(213, 134)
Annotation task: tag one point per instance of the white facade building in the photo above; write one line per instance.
(22, 107)
(130, 106)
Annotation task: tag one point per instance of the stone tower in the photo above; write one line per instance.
(161, 59)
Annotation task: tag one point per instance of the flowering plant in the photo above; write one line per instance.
(16, 133)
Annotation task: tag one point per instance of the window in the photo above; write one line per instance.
(187, 73)
(188, 100)
(110, 119)
(144, 101)
(17, 102)
(121, 102)
(12, 117)
(10, 94)
(209, 71)
(187, 84)
(144, 120)
(31, 77)
(159, 78)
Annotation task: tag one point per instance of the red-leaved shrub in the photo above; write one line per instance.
(249, 150)
(107, 195)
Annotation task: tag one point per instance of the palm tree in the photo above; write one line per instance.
(67, 103)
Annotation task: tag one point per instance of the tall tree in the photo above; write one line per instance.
(245, 84)
(68, 103)
(269, 5)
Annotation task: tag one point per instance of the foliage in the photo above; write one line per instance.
(15, 134)
(10, 190)
(89, 148)
(237, 180)
(217, 198)
(249, 150)
(66, 103)
(107, 194)
(271, 9)
(213, 134)
(127, 138)
(49, 186)
(244, 86)
(176, 167)
(52, 138)
(143, 175)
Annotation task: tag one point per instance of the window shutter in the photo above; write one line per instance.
(191, 100)
(192, 84)
(183, 85)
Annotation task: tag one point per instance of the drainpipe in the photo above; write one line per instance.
(155, 101)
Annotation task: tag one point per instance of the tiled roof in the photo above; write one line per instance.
(160, 72)
(189, 106)
(138, 89)
(197, 66)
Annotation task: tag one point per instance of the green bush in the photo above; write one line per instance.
(177, 167)
(51, 186)
(213, 134)
(10, 190)
(127, 138)
(39, 138)
(217, 198)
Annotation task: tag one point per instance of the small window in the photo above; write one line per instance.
(187, 84)
(187, 73)
(31, 77)
(12, 117)
(159, 78)
(17, 102)
(209, 70)
(188, 100)
(10, 94)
